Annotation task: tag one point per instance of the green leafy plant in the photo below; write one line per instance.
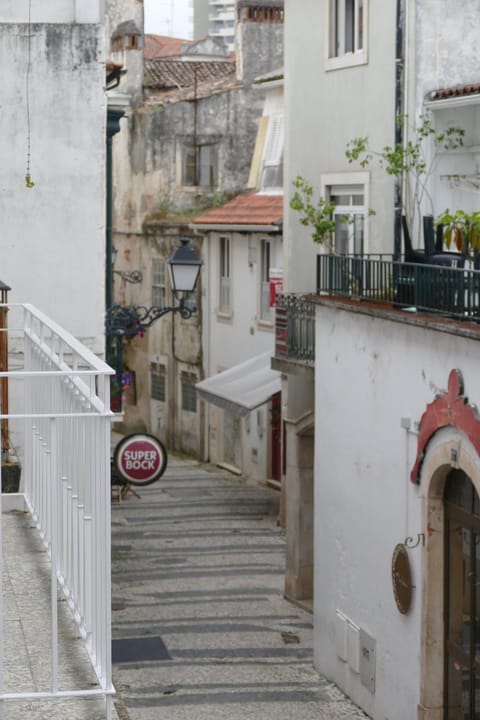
(408, 160)
(460, 229)
(316, 214)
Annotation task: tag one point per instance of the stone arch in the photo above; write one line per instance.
(449, 448)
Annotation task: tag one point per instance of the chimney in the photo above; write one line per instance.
(259, 42)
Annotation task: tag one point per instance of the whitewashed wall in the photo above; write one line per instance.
(53, 235)
(371, 373)
(325, 109)
(230, 340)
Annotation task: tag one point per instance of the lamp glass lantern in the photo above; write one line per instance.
(184, 265)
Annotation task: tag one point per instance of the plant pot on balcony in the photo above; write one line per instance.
(11, 472)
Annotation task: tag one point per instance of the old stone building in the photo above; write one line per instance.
(187, 147)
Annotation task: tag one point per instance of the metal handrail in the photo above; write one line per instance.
(451, 291)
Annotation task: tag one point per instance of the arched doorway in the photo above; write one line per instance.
(461, 598)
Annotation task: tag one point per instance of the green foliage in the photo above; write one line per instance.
(408, 160)
(318, 215)
(461, 229)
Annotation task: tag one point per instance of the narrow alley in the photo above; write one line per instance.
(198, 567)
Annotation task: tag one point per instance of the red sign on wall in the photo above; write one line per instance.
(276, 284)
(140, 459)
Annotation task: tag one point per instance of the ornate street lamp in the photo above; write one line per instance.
(184, 266)
(123, 322)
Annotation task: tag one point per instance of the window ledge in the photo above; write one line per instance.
(224, 316)
(265, 324)
(347, 60)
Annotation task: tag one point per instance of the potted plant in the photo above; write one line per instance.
(461, 230)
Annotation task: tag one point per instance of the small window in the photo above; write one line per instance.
(158, 382)
(272, 170)
(189, 393)
(265, 265)
(199, 166)
(347, 32)
(224, 276)
(158, 283)
(349, 215)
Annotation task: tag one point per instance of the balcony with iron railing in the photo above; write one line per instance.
(439, 290)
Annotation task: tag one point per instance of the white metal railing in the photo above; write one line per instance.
(62, 397)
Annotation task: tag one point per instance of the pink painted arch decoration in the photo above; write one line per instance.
(451, 409)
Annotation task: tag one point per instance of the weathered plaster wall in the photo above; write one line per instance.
(171, 342)
(370, 374)
(447, 52)
(55, 11)
(53, 235)
(148, 154)
(267, 40)
(120, 11)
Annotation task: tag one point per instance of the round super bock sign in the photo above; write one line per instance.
(140, 459)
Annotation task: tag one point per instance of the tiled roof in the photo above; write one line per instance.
(249, 209)
(162, 74)
(157, 46)
(458, 91)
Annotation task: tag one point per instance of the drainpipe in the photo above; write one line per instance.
(400, 74)
(113, 127)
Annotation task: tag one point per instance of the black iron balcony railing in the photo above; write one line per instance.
(294, 328)
(451, 291)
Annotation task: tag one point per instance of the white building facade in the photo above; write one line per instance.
(388, 478)
(53, 169)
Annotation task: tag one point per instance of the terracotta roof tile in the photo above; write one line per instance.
(458, 91)
(162, 74)
(157, 46)
(246, 210)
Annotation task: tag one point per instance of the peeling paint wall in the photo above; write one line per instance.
(53, 235)
(447, 48)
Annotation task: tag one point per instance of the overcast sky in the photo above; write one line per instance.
(166, 17)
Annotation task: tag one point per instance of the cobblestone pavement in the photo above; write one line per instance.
(198, 567)
(26, 637)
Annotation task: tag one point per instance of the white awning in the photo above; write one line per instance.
(243, 387)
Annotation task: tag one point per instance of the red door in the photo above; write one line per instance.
(276, 438)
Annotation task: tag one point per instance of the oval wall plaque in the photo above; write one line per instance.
(402, 578)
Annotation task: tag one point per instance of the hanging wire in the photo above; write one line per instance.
(28, 180)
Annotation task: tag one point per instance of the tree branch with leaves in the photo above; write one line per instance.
(409, 161)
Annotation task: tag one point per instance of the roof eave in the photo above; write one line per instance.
(211, 227)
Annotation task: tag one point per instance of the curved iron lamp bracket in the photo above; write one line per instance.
(130, 320)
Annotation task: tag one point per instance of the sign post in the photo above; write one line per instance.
(140, 459)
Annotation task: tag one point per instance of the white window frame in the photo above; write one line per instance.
(273, 154)
(337, 56)
(159, 285)
(352, 183)
(266, 252)
(225, 275)
(207, 165)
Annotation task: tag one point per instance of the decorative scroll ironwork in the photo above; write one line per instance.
(411, 542)
(127, 321)
(130, 276)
